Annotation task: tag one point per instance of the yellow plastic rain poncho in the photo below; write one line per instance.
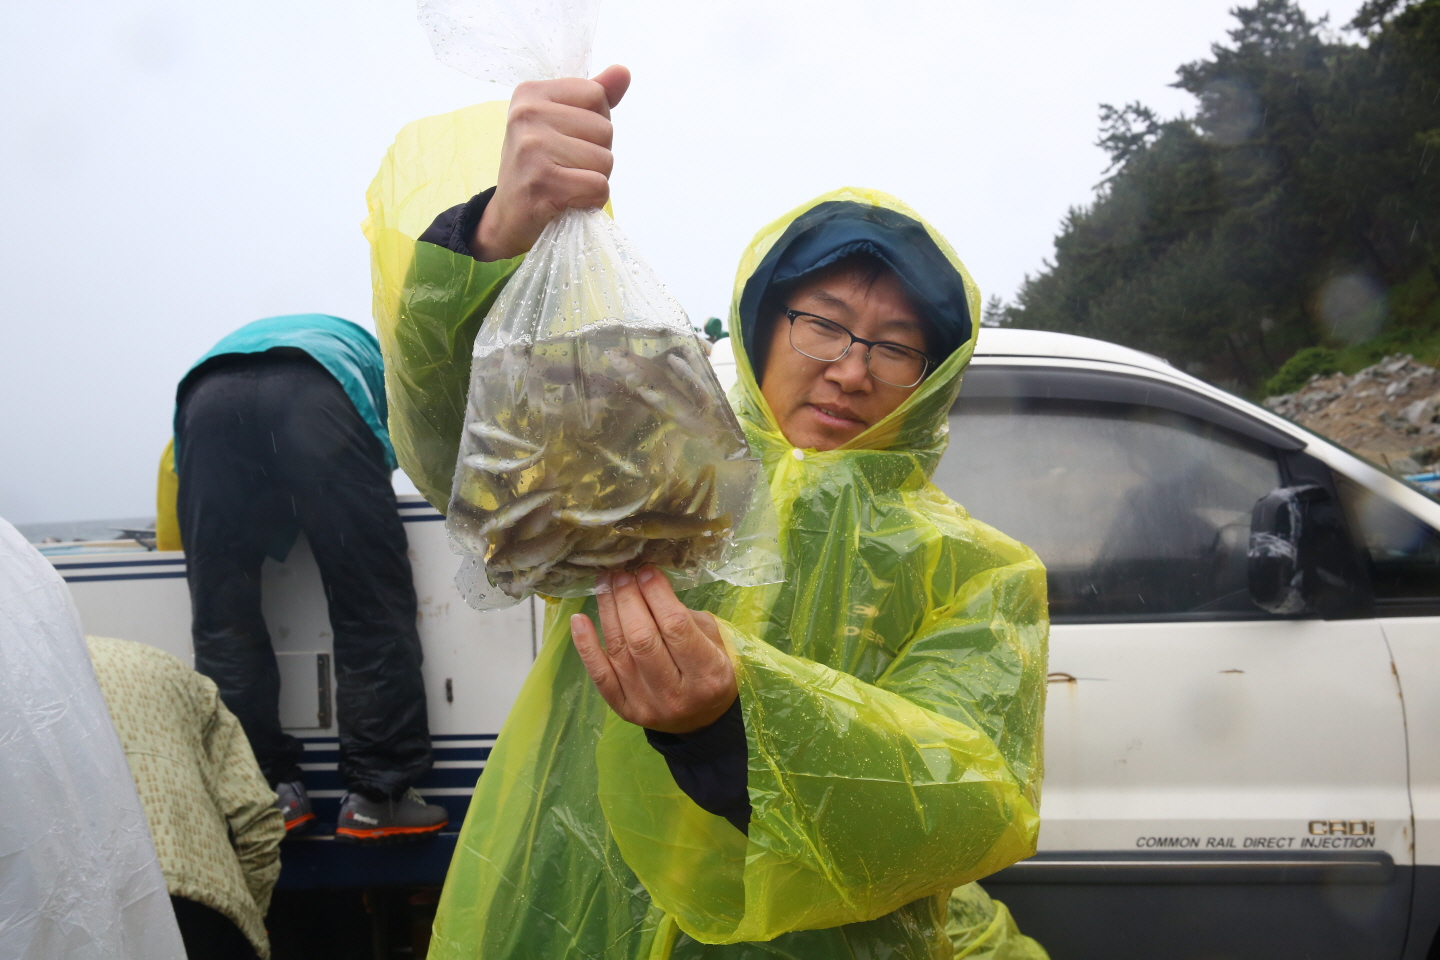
(892, 690)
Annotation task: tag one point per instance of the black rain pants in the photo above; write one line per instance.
(268, 443)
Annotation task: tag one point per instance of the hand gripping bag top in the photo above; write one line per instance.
(596, 433)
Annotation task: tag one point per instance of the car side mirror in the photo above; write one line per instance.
(1281, 568)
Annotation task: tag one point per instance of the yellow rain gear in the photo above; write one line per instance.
(892, 690)
(167, 493)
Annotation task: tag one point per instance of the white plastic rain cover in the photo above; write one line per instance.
(78, 873)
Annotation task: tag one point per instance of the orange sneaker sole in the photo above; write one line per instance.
(386, 834)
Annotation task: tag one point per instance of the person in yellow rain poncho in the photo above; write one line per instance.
(820, 768)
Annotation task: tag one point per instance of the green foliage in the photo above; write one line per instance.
(1297, 371)
(1424, 347)
(993, 313)
(1298, 207)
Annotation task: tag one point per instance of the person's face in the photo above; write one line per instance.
(821, 405)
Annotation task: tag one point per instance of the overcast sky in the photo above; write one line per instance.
(172, 169)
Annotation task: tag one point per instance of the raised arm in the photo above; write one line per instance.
(433, 295)
(245, 800)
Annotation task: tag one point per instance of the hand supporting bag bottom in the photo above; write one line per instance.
(597, 435)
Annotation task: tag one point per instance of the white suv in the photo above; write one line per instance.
(1244, 711)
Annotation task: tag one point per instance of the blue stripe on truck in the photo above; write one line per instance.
(176, 575)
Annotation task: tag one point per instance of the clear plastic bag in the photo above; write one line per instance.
(596, 433)
(509, 43)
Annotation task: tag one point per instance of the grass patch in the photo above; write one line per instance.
(1297, 371)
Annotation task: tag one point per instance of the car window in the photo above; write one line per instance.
(1402, 552)
(1137, 512)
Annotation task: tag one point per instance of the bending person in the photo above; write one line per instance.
(807, 769)
(213, 818)
(281, 428)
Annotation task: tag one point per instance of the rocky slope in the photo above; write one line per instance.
(1389, 412)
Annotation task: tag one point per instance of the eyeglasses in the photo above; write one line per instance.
(828, 341)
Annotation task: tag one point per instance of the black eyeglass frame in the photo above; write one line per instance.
(869, 344)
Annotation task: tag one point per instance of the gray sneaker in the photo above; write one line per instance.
(292, 800)
(409, 817)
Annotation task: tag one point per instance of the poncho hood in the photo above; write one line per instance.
(821, 232)
(835, 229)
